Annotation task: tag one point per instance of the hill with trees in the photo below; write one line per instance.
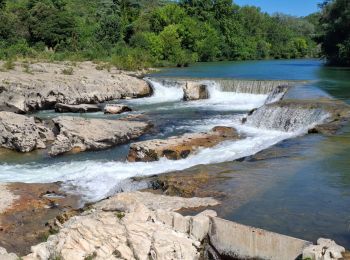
(134, 34)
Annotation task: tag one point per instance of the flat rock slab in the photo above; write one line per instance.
(82, 108)
(49, 83)
(116, 109)
(79, 134)
(179, 147)
(22, 133)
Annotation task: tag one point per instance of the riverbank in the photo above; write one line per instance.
(142, 225)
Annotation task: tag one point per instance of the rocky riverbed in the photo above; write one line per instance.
(172, 125)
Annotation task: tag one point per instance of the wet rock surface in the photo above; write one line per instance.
(22, 133)
(195, 91)
(82, 108)
(78, 134)
(116, 109)
(49, 83)
(25, 220)
(179, 147)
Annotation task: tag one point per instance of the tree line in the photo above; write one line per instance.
(134, 34)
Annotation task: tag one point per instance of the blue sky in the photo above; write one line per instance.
(292, 7)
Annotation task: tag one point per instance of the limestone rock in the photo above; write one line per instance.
(22, 92)
(137, 233)
(325, 249)
(195, 91)
(116, 109)
(179, 147)
(82, 108)
(80, 134)
(22, 133)
(7, 256)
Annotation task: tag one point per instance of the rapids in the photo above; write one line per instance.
(96, 179)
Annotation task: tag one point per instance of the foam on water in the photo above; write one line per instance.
(161, 94)
(96, 179)
(218, 100)
(226, 101)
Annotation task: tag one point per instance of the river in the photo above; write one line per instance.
(289, 182)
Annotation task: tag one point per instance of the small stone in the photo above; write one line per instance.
(116, 109)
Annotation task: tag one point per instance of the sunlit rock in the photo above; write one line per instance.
(179, 147)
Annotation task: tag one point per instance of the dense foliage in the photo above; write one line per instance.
(140, 33)
(335, 31)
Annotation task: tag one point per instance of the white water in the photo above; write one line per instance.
(98, 179)
(218, 100)
(161, 94)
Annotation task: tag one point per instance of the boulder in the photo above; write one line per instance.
(22, 92)
(82, 108)
(325, 249)
(79, 134)
(179, 147)
(22, 133)
(195, 91)
(116, 109)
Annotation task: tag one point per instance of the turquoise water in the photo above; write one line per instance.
(301, 186)
(335, 81)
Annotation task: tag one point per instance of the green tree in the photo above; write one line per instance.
(49, 22)
(335, 32)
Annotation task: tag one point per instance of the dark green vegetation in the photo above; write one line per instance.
(335, 31)
(134, 34)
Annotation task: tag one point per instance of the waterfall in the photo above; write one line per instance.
(286, 118)
(277, 94)
(164, 91)
(253, 86)
(275, 89)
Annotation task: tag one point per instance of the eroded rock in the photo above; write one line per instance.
(145, 229)
(42, 88)
(116, 109)
(179, 147)
(4, 255)
(325, 249)
(195, 91)
(82, 108)
(22, 133)
(80, 134)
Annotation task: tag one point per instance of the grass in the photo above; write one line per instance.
(26, 68)
(91, 257)
(120, 215)
(8, 65)
(68, 71)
